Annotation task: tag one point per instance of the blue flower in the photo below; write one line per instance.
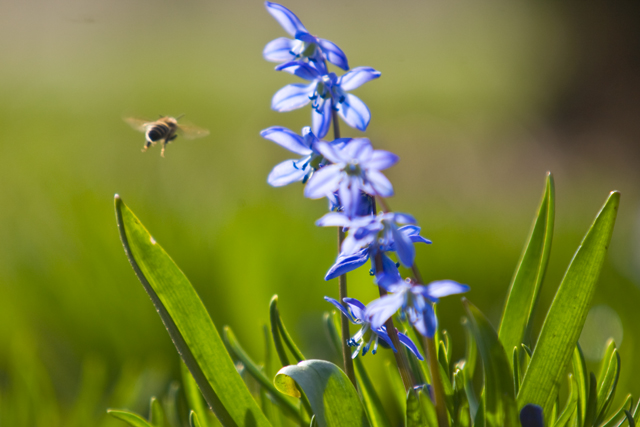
(414, 301)
(381, 229)
(389, 270)
(366, 336)
(304, 45)
(327, 91)
(293, 170)
(356, 167)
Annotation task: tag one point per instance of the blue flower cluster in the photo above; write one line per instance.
(348, 172)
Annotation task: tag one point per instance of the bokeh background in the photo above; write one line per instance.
(479, 101)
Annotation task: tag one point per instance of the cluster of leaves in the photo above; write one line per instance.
(520, 381)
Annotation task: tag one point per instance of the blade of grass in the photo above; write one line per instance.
(188, 323)
(527, 281)
(134, 420)
(567, 314)
(234, 346)
(499, 397)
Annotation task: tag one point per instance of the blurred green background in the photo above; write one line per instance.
(479, 101)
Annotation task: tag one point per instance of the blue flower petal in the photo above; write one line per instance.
(410, 345)
(404, 247)
(334, 54)
(287, 139)
(426, 322)
(380, 310)
(403, 218)
(306, 37)
(380, 183)
(286, 18)
(341, 308)
(328, 151)
(345, 264)
(357, 77)
(443, 288)
(333, 219)
(324, 181)
(279, 50)
(321, 120)
(292, 96)
(354, 112)
(300, 69)
(381, 159)
(357, 308)
(382, 333)
(285, 173)
(390, 274)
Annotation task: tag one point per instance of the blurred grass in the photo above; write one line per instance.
(466, 99)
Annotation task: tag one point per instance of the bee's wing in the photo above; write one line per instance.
(138, 123)
(192, 132)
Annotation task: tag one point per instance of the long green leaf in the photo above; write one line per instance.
(527, 281)
(572, 404)
(194, 398)
(158, 418)
(568, 312)
(333, 398)
(189, 324)
(619, 417)
(377, 415)
(291, 409)
(607, 387)
(499, 397)
(134, 420)
(581, 376)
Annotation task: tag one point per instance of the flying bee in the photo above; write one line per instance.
(164, 130)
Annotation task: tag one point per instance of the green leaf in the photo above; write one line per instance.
(460, 415)
(565, 319)
(280, 334)
(333, 398)
(428, 409)
(420, 410)
(592, 402)
(579, 367)
(370, 399)
(194, 397)
(607, 386)
(188, 323)
(236, 349)
(499, 398)
(572, 404)
(413, 415)
(619, 417)
(134, 420)
(193, 420)
(471, 354)
(157, 419)
(527, 281)
(632, 422)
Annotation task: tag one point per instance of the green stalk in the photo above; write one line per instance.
(342, 290)
(437, 387)
(401, 357)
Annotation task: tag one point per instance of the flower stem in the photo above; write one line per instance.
(400, 355)
(437, 388)
(342, 289)
(430, 348)
(401, 358)
(344, 322)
